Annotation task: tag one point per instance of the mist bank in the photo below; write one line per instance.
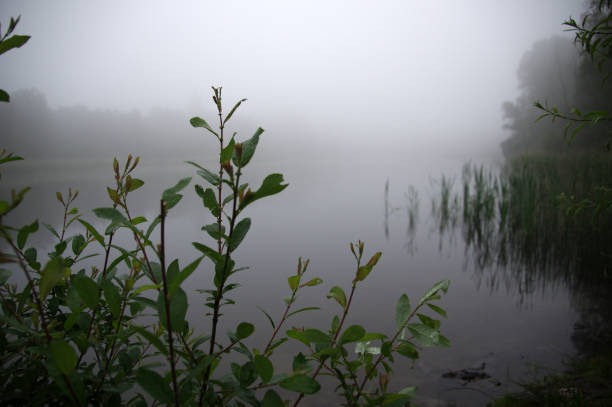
(556, 73)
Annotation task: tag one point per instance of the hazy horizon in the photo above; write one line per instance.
(386, 75)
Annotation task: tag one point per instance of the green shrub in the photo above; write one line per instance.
(117, 333)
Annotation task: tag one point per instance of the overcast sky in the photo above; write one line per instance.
(348, 68)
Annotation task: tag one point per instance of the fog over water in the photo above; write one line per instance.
(415, 76)
(352, 94)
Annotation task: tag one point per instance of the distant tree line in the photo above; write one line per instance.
(561, 74)
(30, 127)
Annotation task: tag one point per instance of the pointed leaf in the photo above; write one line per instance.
(402, 311)
(93, 231)
(15, 41)
(240, 231)
(337, 293)
(430, 294)
(182, 276)
(437, 309)
(271, 185)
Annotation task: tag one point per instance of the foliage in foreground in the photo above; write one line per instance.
(116, 332)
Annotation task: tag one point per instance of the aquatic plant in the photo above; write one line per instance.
(117, 332)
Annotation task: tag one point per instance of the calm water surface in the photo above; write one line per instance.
(492, 319)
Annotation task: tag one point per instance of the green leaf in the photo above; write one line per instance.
(248, 148)
(271, 399)
(155, 385)
(153, 340)
(51, 275)
(372, 336)
(63, 355)
(139, 219)
(213, 230)
(314, 282)
(87, 290)
(268, 316)
(78, 244)
(352, 334)
(135, 184)
(408, 350)
(210, 253)
(4, 97)
(299, 335)
(316, 336)
(302, 310)
(229, 115)
(208, 199)
(433, 323)
(199, 122)
(51, 229)
(362, 273)
(337, 293)
(4, 276)
(440, 285)
(437, 309)
(111, 214)
(372, 262)
(240, 231)
(93, 232)
(402, 311)
(264, 367)
(178, 310)
(209, 176)
(426, 335)
(271, 185)
(300, 364)
(244, 330)
(22, 236)
(293, 282)
(15, 41)
(226, 153)
(301, 383)
(443, 342)
(112, 297)
(182, 276)
(171, 197)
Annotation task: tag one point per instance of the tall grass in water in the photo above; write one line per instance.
(514, 218)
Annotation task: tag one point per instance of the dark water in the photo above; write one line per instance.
(492, 319)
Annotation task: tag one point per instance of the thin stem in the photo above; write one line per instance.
(282, 321)
(162, 258)
(333, 342)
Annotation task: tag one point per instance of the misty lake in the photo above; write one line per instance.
(513, 328)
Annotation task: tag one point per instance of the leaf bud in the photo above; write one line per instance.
(228, 168)
(238, 149)
(59, 197)
(116, 167)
